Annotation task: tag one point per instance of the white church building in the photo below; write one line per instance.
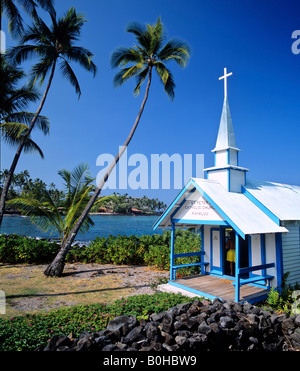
(263, 217)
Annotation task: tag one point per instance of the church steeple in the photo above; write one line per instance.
(226, 136)
(227, 170)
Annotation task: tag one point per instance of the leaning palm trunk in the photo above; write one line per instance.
(54, 45)
(11, 171)
(55, 268)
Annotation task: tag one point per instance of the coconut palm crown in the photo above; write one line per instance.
(14, 119)
(52, 45)
(10, 9)
(150, 52)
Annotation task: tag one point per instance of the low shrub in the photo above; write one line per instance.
(285, 299)
(158, 253)
(16, 249)
(25, 333)
(152, 250)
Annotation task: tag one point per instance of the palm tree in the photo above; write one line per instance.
(14, 100)
(150, 53)
(56, 215)
(54, 45)
(12, 13)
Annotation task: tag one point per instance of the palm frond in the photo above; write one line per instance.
(122, 56)
(44, 215)
(166, 78)
(14, 133)
(39, 72)
(15, 23)
(42, 122)
(133, 71)
(69, 74)
(76, 209)
(13, 130)
(47, 5)
(20, 53)
(175, 50)
(12, 100)
(30, 146)
(156, 36)
(140, 79)
(82, 56)
(121, 76)
(140, 33)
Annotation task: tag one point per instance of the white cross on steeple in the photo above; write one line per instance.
(225, 81)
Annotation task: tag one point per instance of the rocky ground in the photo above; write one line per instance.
(197, 326)
(140, 278)
(28, 290)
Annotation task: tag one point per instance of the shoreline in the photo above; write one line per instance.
(121, 214)
(106, 214)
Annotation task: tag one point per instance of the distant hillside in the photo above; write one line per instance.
(124, 204)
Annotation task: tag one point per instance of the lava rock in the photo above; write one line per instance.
(197, 326)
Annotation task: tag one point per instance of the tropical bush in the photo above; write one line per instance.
(28, 332)
(158, 253)
(285, 298)
(111, 250)
(16, 249)
(151, 250)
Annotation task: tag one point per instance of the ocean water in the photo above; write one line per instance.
(105, 225)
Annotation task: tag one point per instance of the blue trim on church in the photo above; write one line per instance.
(260, 206)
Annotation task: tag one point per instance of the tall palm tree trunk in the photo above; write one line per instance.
(55, 268)
(21, 146)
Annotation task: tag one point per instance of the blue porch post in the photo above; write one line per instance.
(279, 263)
(202, 248)
(172, 252)
(237, 268)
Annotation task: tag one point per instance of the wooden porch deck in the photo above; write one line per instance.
(221, 288)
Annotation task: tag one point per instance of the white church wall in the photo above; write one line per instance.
(196, 207)
(237, 179)
(219, 176)
(207, 246)
(255, 253)
(233, 157)
(221, 158)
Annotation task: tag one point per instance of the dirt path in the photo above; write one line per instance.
(27, 289)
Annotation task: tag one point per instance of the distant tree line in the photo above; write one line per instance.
(124, 204)
(24, 186)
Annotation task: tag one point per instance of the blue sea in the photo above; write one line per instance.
(105, 225)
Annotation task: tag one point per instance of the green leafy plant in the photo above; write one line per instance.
(16, 249)
(25, 333)
(285, 298)
(153, 250)
(158, 281)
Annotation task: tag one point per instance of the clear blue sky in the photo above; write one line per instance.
(251, 38)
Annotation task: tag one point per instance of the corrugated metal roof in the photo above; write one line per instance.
(283, 200)
(236, 208)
